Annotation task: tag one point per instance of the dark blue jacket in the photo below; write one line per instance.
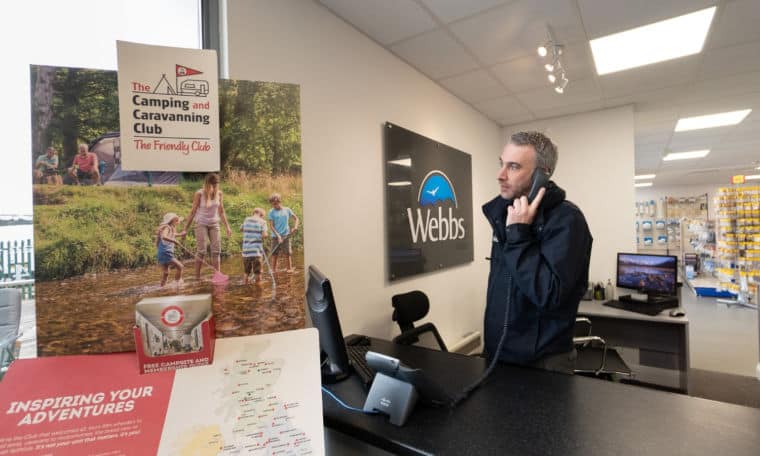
(548, 263)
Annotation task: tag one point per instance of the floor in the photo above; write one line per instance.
(722, 338)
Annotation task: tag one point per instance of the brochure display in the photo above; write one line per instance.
(174, 332)
(261, 396)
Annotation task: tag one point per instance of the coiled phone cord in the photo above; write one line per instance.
(473, 386)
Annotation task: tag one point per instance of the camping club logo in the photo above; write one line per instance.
(435, 219)
(172, 316)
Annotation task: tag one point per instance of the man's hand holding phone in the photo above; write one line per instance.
(522, 211)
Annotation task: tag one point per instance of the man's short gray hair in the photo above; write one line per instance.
(546, 150)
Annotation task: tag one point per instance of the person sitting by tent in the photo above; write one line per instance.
(46, 168)
(85, 166)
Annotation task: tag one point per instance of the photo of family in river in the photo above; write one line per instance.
(105, 238)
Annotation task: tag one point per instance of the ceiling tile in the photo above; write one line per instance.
(730, 61)
(545, 99)
(657, 139)
(505, 110)
(528, 72)
(474, 86)
(647, 78)
(736, 24)
(567, 110)
(387, 21)
(517, 29)
(451, 10)
(436, 54)
(720, 100)
(658, 115)
(730, 90)
(604, 17)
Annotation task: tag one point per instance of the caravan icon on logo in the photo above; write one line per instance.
(436, 190)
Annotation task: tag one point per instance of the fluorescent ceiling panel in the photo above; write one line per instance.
(686, 155)
(752, 177)
(657, 42)
(720, 119)
(644, 176)
(642, 184)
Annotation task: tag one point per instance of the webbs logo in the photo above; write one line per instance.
(436, 190)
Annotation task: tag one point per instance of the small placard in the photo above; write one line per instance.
(168, 108)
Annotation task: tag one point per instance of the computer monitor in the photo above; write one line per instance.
(324, 317)
(653, 275)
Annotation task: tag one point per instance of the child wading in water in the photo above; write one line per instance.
(165, 241)
(254, 230)
(279, 222)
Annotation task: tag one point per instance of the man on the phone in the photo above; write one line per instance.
(539, 260)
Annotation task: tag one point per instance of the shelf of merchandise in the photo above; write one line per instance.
(698, 237)
(665, 219)
(738, 243)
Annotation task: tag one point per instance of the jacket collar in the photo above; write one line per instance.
(496, 209)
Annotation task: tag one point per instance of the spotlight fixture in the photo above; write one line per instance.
(560, 87)
(551, 48)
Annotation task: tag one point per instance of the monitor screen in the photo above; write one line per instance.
(651, 274)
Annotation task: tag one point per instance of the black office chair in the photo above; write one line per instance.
(408, 308)
(595, 358)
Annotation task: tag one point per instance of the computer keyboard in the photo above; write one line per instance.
(356, 355)
(645, 308)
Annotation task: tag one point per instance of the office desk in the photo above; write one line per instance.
(524, 411)
(662, 342)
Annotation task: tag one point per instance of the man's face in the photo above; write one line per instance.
(517, 165)
(83, 149)
(277, 204)
(50, 152)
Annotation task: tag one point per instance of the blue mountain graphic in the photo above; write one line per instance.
(436, 188)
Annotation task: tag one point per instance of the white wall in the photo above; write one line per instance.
(349, 87)
(596, 168)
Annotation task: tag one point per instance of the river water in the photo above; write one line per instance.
(95, 313)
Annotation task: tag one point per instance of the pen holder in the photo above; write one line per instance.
(392, 397)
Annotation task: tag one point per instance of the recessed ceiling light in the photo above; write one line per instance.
(652, 43)
(642, 184)
(720, 119)
(644, 176)
(752, 177)
(686, 155)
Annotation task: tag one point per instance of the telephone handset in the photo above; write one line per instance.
(538, 180)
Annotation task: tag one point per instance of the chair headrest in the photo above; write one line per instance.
(410, 307)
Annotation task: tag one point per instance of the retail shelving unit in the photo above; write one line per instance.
(658, 223)
(738, 246)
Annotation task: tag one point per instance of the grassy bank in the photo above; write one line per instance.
(80, 230)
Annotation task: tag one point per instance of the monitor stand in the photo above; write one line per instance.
(648, 299)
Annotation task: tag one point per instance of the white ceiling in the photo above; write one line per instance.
(483, 51)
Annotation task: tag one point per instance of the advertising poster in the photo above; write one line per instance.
(102, 233)
(259, 397)
(169, 108)
(428, 196)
